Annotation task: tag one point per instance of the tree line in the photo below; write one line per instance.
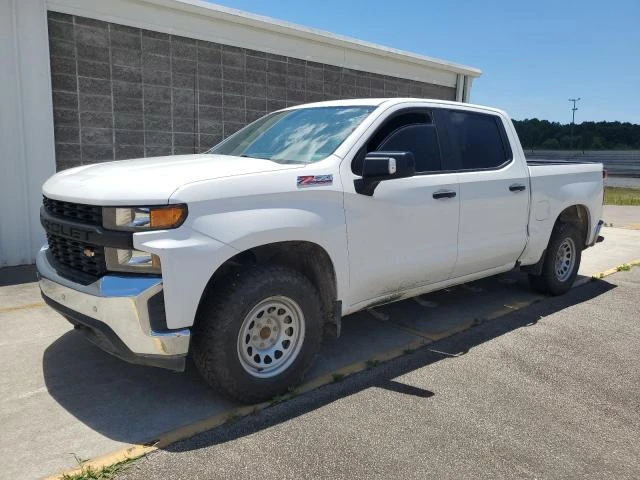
(542, 134)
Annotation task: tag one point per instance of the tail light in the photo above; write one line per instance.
(605, 174)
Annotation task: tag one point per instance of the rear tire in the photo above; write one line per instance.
(256, 336)
(561, 263)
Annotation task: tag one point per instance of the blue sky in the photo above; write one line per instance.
(534, 54)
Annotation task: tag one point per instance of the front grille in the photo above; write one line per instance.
(71, 254)
(78, 212)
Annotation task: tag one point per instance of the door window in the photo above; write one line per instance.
(413, 132)
(479, 139)
(419, 139)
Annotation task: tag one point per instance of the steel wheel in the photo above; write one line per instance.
(271, 336)
(565, 259)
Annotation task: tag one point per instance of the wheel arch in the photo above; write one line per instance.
(308, 258)
(576, 214)
(579, 216)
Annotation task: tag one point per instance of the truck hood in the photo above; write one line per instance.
(148, 181)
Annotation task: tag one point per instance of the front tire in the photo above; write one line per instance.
(561, 263)
(256, 336)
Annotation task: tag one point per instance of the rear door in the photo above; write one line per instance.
(494, 192)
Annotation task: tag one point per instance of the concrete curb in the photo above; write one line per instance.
(606, 273)
(209, 423)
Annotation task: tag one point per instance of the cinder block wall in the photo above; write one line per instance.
(122, 92)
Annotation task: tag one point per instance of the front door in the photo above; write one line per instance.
(405, 235)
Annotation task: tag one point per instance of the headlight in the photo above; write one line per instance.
(124, 260)
(141, 219)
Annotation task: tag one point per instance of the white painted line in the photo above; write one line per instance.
(424, 303)
(381, 316)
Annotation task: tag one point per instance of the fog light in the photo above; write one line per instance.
(125, 260)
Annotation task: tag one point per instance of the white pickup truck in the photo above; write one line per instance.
(245, 255)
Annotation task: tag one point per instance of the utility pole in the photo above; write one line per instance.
(573, 116)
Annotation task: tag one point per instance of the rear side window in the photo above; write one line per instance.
(479, 139)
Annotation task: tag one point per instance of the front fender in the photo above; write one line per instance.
(321, 222)
(217, 230)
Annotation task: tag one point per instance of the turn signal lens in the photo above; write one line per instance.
(167, 217)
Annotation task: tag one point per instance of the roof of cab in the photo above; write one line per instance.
(377, 102)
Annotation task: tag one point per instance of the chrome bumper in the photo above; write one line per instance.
(115, 310)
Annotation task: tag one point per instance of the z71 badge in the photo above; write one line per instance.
(314, 180)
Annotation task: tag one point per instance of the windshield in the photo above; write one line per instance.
(304, 135)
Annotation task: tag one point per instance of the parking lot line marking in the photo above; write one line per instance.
(383, 317)
(519, 305)
(187, 431)
(412, 331)
(424, 303)
(446, 354)
(22, 307)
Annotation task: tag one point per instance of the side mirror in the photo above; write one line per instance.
(381, 166)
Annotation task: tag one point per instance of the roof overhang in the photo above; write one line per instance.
(215, 23)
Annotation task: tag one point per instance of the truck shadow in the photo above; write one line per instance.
(135, 404)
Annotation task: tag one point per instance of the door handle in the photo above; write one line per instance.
(517, 187)
(444, 194)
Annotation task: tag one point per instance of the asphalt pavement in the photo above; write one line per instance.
(549, 391)
(61, 398)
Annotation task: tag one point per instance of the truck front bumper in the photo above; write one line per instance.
(116, 313)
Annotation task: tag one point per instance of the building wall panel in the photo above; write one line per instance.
(122, 92)
(26, 127)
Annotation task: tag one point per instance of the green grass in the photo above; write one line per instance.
(104, 473)
(621, 196)
(372, 363)
(291, 393)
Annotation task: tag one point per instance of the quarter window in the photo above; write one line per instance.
(479, 140)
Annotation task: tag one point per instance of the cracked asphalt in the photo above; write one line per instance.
(549, 391)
